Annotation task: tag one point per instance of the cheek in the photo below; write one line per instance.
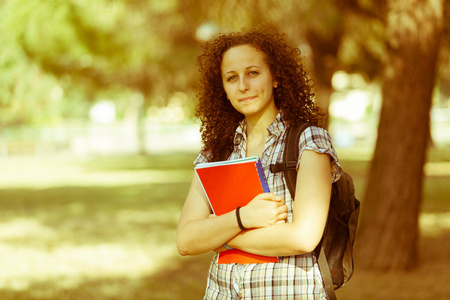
(268, 88)
(230, 91)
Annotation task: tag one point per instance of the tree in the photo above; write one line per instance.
(388, 230)
(104, 48)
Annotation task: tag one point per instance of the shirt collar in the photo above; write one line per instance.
(277, 127)
(240, 132)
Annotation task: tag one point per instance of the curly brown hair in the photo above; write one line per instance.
(293, 97)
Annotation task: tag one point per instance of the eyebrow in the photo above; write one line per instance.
(245, 68)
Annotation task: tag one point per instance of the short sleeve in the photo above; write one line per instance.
(202, 157)
(319, 140)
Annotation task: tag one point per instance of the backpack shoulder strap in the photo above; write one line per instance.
(326, 275)
(290, 157)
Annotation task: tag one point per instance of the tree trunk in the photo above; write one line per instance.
(388, 229)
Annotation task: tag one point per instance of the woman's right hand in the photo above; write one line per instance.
(264, 210)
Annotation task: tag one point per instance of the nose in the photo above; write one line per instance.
(243, 85)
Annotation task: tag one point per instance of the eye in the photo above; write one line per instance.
(231, 78)
(253, 73)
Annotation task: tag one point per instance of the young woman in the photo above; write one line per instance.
(252, 87)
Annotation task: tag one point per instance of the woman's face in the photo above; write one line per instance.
(248, 82)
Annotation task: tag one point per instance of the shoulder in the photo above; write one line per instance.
(314, 135)
(202, 157)
(319, 140)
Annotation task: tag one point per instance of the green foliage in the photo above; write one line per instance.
(57, 55)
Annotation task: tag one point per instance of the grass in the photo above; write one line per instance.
(86, 230)
(106, 229)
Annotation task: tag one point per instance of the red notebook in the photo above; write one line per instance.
(229, 184)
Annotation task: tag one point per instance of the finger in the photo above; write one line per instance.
(267, 195)
(283, 208)
(281, 203)
(283, 216)
(271, 197)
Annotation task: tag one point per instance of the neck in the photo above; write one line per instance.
(257, 125)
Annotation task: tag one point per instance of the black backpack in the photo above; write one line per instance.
(339, 235)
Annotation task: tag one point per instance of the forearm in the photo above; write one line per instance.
(276, 240)
(198, 233)
(200, 236)
(312, 199)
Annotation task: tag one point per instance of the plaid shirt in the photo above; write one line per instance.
(295, 277)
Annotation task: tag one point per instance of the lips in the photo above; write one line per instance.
(247, 99)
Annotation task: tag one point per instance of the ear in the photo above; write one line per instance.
(275, 84)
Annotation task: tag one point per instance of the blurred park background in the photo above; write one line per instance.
(97, 138)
